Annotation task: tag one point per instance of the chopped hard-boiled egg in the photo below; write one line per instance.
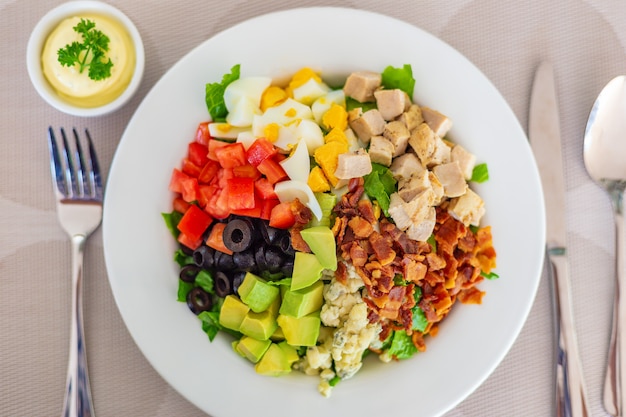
(291, 189)
(311, 90)
(323, 103)
(297, 166)
(250, 87)
(225, 130)
(311, 133)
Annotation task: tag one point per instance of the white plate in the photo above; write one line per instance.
(472, 340)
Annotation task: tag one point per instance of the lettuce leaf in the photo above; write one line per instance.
(480, 173)
(380, 184)
(402, 346)
(401, 78)
(214, 94)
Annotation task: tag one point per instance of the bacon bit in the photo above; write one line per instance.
(357, 254)
(367, 211)
(391, 308)
(418, 341)
(302, 213)
(341, 274)
(381, 248)
(435, 262)
(360, 226)
(413, 271)
(297, 242)
(471, 296)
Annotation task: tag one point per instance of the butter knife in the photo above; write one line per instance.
(545, 140)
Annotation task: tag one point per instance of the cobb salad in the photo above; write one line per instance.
(318, 224)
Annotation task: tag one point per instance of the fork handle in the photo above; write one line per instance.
(78, 401)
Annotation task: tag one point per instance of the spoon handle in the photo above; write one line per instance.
(570, 388)
(614, 400)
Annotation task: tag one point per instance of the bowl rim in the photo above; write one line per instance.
(39, 35)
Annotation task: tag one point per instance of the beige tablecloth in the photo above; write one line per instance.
(584, 39)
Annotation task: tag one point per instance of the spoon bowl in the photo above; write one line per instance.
(604, 154)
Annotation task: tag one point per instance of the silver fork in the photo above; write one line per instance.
(78, 187)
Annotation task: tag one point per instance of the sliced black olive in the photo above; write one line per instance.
(238, 235)
(224, 262)
(203, 257)
(186, 250)
(188, 273)
(198, 300)
(287, 268)
(284, 243)
(269, 233)
(223, 284)
(244, 261)
(274, 258)
(259, 257)
(237, 280)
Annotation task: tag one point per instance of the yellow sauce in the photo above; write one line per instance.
(77, 88)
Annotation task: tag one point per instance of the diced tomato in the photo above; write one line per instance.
(215, 144)
(202, 134)
(272, 170)
(216, 238)
(267, 206)
(209, 171)
(247, 171)
(259, 151)
(282, 216)
(240, 193)
(220, 205)
(198, 153)
(194, 222)
(180, 205)
(190, 168)
(251, 212)
(223, 176)
(185, 185)
(231, 155)
(205, 193)
(264, 189)
(190, 243)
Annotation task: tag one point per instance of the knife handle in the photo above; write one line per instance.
(570, 388)
(616, 368)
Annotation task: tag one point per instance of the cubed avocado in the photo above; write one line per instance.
(302, 302)
(259, 325)
(321, 240)
(278, 335)
(301, 331)
(275, 362)
(252, 348)
(290, 352)
(257, 293)
(306, 270)
(232, 312)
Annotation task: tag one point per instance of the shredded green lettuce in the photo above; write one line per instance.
(352, 104)
(402, 346)
(210, 323)
(401, 78)
(205, 281)
(183, 290)
(379, 185)
(214, 94)
(171, 221)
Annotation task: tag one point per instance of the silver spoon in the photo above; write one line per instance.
(605, 158)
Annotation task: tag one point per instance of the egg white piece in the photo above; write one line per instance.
(297, 165)
(311, 133)
(246, 138)
(291, 189)
(311, 90)
(323, 103)
(243, 112)
(225, 130)
(250, 87)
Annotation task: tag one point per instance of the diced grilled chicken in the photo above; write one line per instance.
(466, 160)
(398, 134)
(422, 230)
(452, 179)
(353, 165)
(437, 188)
(409, 188)
(422, 140)
(405, 166)
(361, 85)
(392, 103)
(439, 123)
(398, 213)
(381, 150)
(412, 215)
(412, 117)
(468, 208)
(366, 125)
(440, 155)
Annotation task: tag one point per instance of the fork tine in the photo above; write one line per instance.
(70, 172)
(56, 167)
(80, 168)
(94, 172)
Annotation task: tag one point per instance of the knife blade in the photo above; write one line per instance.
(545, 140)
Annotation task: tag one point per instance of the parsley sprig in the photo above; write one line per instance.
(90, 54)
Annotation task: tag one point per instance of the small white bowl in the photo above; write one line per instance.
(37, 41)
